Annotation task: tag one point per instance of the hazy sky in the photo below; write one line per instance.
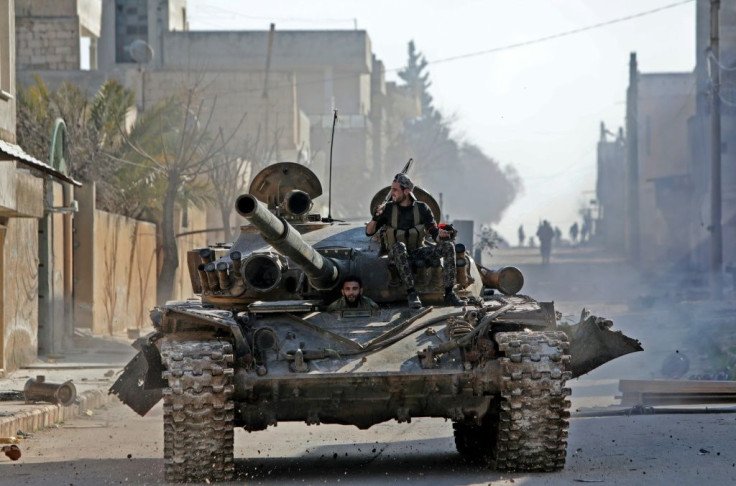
(536, 107)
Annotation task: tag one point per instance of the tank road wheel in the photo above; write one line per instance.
(533, 421)
(198, 411)
(476, 442)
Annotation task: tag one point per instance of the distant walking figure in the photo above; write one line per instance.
(521, 235)
(545, 233)
(584, 232)
(574, 232)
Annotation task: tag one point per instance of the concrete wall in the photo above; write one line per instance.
(48, 32)
(21, 194)
(115, 269)
(115, 266)
(47, 35)
(124, 272)
(19, 292)
(247, 50)
(197, 222)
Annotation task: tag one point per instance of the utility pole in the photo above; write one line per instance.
(632, 141)
(716, 237)
(265, 82)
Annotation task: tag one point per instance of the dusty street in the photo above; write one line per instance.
(115, 446)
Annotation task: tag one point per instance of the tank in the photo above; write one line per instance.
(257, 346)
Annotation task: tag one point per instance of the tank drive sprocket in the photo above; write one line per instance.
(198, 411)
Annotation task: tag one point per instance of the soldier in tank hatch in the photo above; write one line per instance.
(407, 221)
(352, 296)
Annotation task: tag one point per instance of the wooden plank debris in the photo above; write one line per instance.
(676, 392)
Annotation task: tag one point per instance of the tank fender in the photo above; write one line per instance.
(150, 352)
(205, 322)
(594, 343)
(140, 385)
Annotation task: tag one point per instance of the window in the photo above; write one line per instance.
(131, 24)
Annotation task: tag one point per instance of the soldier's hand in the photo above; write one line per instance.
(379, 210)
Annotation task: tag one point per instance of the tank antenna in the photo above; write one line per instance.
(329, 193)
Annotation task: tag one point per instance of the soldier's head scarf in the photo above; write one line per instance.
(405, 183)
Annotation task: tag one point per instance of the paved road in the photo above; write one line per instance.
(115, 446)
(656, 449)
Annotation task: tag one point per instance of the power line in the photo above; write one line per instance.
(560, 34)
(477, 53)
(282, 19)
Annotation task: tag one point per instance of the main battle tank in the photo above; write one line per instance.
(258, 346)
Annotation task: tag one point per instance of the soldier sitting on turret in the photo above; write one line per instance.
(352, 296)
(407, 220)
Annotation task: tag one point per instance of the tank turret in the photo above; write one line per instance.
(322, 272)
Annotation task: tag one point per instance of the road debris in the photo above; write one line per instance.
(11, 448)
(38, 390)
(11, 396)
(676, 392)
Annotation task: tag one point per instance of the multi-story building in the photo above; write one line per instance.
(284, 85)
(668, 206)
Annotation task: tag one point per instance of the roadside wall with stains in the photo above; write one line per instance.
(19, 292)
(115, 266)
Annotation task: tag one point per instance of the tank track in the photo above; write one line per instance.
(198, 411)
(533, 421)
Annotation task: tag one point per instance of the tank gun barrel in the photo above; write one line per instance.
(322, 272)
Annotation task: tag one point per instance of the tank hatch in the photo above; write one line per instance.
(272, 184)
(420, 194)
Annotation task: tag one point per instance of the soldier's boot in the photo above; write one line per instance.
(413, 300)
(451, 298)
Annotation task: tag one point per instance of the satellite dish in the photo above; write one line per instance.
(141, 51)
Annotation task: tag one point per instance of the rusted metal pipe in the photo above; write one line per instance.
(38, 390)
(509, 280)
(237, 259)
(203, 278)
(210, 270)
(206, 255)
(222, 276)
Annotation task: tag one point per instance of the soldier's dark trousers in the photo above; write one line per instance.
(442, 254)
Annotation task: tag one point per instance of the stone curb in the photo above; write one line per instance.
(47, 415)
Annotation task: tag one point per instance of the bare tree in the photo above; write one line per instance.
(231, 169)
(171, 148)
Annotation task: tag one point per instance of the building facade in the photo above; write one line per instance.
(24, 207)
